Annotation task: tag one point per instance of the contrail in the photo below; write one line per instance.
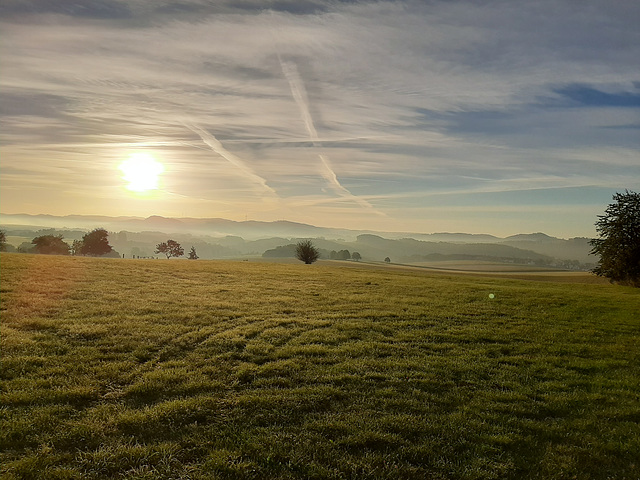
(333, 179)
(217, 147)
(299, 94)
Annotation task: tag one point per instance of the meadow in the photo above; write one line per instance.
(156, 369)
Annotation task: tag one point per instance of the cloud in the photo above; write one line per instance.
(98, 9)
(392, 101)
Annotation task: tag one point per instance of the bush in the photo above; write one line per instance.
(306, 252)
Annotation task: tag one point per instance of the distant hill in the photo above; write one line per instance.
(456, 237)
(223, 238)
(530, 237)
(213, 226)
(575, 248)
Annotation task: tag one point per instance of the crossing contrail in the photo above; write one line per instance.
(215, 145)
(299, 95)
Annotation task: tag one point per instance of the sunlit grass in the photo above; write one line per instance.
(175, 369)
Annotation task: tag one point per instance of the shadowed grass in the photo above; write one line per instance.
(172, 369)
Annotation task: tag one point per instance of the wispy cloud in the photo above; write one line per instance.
(335, 112)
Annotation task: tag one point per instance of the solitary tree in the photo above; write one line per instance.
(50, 245)
(356, 256)
(192, 254)
(95, 243)
(619, 242)
(170, 248)
(387, 259)
(163, 248)
(306, 252)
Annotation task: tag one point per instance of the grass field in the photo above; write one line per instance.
(145, 369)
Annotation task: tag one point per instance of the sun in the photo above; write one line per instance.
(141, 171)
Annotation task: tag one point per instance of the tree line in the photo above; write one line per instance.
(304, 248)
(306, 252)
(94, 244)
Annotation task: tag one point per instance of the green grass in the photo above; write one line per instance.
(144, 369)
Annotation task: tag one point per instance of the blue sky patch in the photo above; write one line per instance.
(592, 97)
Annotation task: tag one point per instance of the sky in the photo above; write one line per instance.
(497, 117)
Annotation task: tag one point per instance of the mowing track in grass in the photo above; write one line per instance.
(142, 369)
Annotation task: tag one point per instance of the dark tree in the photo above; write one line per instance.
(356, 256)
(619, 242)
(95, 243)
(306, 252)
(388, 260)
(170, 248)
(50, 245)
(343, 255)
(192, 254)
(3, 241)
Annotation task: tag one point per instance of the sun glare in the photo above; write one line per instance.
(141, 171)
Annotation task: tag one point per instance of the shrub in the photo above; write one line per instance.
(306, 252)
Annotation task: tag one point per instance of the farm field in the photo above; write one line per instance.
(501, 270)
(152, 369)
(488, 269)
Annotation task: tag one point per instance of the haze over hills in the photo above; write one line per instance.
(211, 226)
(222, 238)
